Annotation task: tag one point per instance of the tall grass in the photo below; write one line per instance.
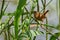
(19, 11)
(22, 22)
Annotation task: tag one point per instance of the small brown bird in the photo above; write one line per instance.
(40, 16)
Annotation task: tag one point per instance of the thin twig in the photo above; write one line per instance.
(46, 30)
(2, 8)
(46, 4)
(38, 5)
(26, 10)
(6, 7)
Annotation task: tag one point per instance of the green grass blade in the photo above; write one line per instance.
(2, 8)
(17, 16)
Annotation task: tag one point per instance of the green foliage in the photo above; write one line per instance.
(58, 27)
(22, 29)
(19, 11)
(2, 12)
(55, 36)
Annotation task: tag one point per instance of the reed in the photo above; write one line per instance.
(23, 18)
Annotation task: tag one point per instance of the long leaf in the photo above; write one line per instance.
(17, 15)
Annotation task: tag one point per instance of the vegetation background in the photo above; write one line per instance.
(15, 10)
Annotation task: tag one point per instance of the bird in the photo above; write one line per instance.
(40, 16)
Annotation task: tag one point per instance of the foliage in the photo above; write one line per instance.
(22, 22)
(55, 36)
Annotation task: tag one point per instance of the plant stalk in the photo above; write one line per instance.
(46, 30)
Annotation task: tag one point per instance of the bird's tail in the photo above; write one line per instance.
(46, 12)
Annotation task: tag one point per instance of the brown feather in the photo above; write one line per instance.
(40, 16)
